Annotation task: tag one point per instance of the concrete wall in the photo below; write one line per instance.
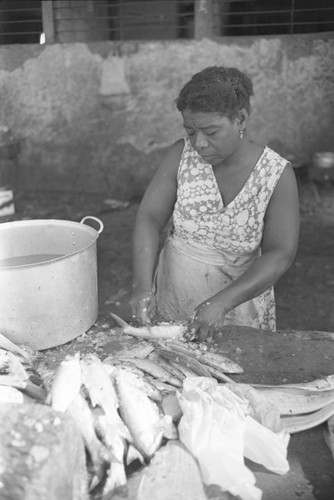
(98, 117)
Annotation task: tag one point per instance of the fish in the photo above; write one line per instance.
(172, 369)
(140, 414)
(161, 330)
(79, 410)
(66, 383)
(319, 384)
(185, 360)
(298, 423)
(10, 364)
(25, 386)
(108, 423)
(99, 385)
(155, 370)
(141, 350)
(8, 345)
(294, 401)
(163, 387)
(218, 375)
(186, 370)
(208, 357)
(111, 364)
(15, 371)
(133, 454)
(142, 382)
(116, 443)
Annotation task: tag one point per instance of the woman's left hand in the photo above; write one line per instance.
(208, 318)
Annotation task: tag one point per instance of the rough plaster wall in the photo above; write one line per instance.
(75, 138)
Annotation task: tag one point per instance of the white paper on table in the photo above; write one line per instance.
(212, 428)
(266, 441)
(266, 447)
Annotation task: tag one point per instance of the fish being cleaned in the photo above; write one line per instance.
(158, 331)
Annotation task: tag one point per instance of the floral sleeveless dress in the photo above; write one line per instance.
(211, 244)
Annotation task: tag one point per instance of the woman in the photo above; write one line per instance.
(235, 216)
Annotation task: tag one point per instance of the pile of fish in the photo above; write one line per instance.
(300, 406)
(126, 405)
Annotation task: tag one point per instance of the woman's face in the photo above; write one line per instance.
(215, 137)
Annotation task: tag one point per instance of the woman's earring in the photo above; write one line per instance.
(241, 133)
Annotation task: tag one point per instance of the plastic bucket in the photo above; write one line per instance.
(48, 280)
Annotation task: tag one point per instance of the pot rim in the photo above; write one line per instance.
(54, 222)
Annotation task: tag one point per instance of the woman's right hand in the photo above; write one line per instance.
(143, 306)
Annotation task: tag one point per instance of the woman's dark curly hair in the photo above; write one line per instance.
(217, 89)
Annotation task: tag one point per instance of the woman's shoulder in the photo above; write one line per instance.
(274, 155)
(172, 158)
(178, 146)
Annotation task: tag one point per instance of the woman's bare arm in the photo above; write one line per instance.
(153, 214)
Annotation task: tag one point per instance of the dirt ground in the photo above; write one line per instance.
(305, 302)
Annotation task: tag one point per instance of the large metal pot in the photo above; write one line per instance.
(48, 280)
